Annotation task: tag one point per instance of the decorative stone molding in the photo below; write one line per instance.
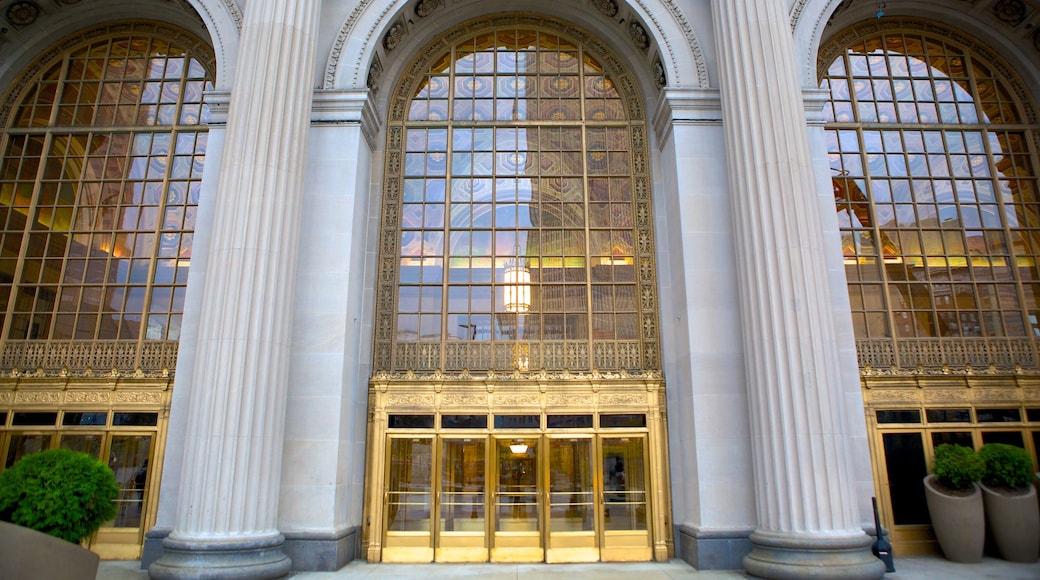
(639, 36)
(609, 8)
(392, 38)
(1011, 12)
(424, 8)
(660, 75)
(22, 13)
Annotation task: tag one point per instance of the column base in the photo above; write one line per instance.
(258, 558)
(791, 556)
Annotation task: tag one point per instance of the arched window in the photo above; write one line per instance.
(516, 221)
(99, 182)
(932, 152)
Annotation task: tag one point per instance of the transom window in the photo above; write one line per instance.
(935, 185)
(523, 195)
(99, 183)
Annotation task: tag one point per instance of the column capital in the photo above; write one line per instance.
(346, 106)
(696, 106)
(815, 100)
(218, 103)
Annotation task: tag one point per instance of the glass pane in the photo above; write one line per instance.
(408, 490)
(462, 485)
(128, 459)
(89, 444)
(905, 464)
(571, 493)
(946, 224)
(40, 418)
(22, 445)
(516, 499)
(624, 484)
(1007, 437)
(135, 419)
(95, 418)
(513, 209)
(899, 416)
(112, 201)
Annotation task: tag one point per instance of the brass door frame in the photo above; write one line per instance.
(408, 546)
(574, 546)
(519, 548)
(415, 404)
(464, 548)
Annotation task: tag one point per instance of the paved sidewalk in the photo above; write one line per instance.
(908, 568)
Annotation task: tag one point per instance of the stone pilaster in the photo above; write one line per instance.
(808, 526)
(225, 523)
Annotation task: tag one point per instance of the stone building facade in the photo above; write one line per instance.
(449, 280)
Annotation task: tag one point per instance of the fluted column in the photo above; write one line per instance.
(227, 505)
(808, 525)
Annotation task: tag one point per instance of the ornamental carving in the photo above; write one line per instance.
(424, 8)
(893, 395)
(392, 38)
(1031, 394)
(464, 400)
(86, 397)
(23, 13)
(660, 77)
(523, 400)
(138, 397)
(1010, 11)
(622, 399)
(409, 400)
(983, 395)
(375, 74)
(638, 35)
(50, 397)
(560, 400)
(607, 7)
(6, 396)
(946, 395)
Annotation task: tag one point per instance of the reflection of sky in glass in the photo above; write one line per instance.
(930, 204)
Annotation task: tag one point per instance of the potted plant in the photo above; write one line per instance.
(1011, 501)
(53, 500)
(955, 502)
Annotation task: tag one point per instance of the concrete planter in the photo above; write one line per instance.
(26, 553)
(959, 522)
(1014, 521)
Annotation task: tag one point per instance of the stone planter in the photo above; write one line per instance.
(26, 553)
(959, 522)
(1014, 521)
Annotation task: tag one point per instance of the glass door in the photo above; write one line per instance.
(408, 534)
(128, 456)
(462, 533)
(572, 501)
(517, 509)
(626, 536)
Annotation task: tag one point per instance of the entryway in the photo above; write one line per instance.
(512, 496)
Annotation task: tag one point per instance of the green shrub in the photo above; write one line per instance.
(957, 467)
(1006, 466)
(63, 493)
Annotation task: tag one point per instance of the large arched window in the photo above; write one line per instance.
(99, 182)
(516, 223)
(934, 172)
